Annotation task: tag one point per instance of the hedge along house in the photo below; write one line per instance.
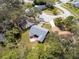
(37, 33)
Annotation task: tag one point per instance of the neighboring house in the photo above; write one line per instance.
(64, 1)
(23, 23)
(1, 1)
(75, 3)
(41, 7)
(37, 32)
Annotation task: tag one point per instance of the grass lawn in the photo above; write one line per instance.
(27, 50)
(53, 11)
(47, 26)
(25, 42)
(34, 48)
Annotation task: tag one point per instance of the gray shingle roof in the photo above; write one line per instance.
(39, 31)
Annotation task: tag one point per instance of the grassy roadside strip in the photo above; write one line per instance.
(71, 10)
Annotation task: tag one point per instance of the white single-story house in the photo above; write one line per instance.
(64, 1)
(38, 32)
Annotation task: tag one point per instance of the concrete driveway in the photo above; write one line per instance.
(50, 18)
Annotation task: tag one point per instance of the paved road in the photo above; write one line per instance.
(65, 11)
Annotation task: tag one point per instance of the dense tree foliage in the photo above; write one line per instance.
(54, 47)
(67, 24)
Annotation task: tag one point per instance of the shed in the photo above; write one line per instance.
(41, 7)
(38, 32)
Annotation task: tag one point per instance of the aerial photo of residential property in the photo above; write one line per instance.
(39, 29)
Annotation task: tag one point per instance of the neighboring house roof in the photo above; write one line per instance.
(24, 23)
(2, 37)
(38, 31)
(64, 1)
(41, 7)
